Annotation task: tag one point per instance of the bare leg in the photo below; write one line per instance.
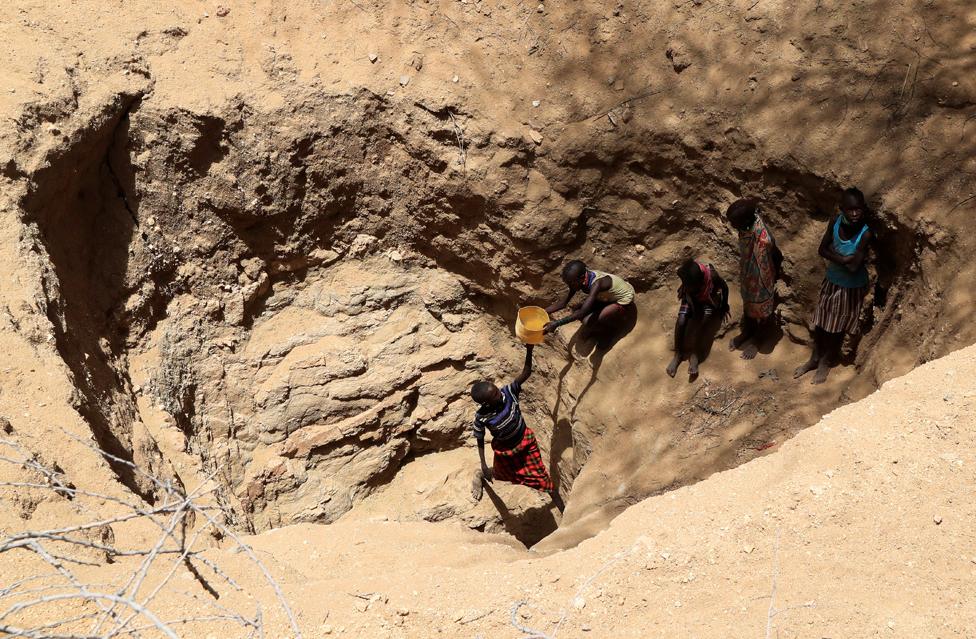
(750, 350)
(815, 356)
(672, 369)
(610, 316)
(557, 501)
(833, 342)
(747, 330)
(593, 327)
(696, 335)
(679, 340)
(763, 328)
(823, 369)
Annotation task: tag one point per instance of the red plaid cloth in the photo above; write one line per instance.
(522, 464)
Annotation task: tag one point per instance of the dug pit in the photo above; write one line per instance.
(296, 301)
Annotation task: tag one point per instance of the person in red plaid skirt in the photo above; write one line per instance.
(517, 458)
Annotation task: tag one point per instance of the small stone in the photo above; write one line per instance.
(455, 78)
(541, 8)
(955, 84)
(585, 628)
(640, 248)
(222, 11)
(536, 103)
(536, 136)
(373, 57)
(937, 519)
(579, 603)
(403, 612)
(5, 426)
(665, 555)
(326, 629)
(404, 80)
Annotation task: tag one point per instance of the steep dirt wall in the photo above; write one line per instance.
(201, 181)
(229, 262)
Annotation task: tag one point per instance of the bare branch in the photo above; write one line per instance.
(53, 605)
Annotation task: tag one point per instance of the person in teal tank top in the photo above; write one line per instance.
(845, 246)
(842, 274)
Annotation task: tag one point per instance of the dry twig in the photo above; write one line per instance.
(462, 153)
(56, 604)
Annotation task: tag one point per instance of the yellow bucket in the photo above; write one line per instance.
(529, 324)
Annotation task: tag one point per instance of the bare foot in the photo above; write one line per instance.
(750, 351)
(738, 341)
(806, 368)
(672, 369)
(822, 371)
(693, 366)
(477, 489)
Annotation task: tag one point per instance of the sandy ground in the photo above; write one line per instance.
(618, 132)
(857, 527)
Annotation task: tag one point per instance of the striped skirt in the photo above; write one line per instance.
(839, 308)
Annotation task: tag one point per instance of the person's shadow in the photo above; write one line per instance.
(530, 526)
(585, 343)
(770, 338)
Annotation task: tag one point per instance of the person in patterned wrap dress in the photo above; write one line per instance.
(760, 265)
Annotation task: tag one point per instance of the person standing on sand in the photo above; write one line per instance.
(845, 246)
(609, 300)
(517, 458)
(704, 297)
(760, 265)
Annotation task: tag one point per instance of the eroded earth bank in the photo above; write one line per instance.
(267, 249)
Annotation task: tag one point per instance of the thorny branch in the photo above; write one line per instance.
(57, 604)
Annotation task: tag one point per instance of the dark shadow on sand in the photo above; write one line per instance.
(530, 527)
(594, 344)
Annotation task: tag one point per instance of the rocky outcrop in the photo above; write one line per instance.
(339, 380)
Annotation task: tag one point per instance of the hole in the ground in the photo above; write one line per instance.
(309, 326)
